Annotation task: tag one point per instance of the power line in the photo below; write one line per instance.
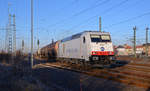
(133, 4)
(130, 19)
(83, 11)
(92, 7)
(67, 5)
(104, 12)
(118, 22)
(80, 12)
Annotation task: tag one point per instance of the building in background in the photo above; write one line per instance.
(121, 51)
(144, 49)
(128, 49)
(139, 50)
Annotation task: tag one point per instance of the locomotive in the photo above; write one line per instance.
(88, 47)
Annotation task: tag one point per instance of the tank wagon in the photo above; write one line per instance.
(90, 47)
(50, 51)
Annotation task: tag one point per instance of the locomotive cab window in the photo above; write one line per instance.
(95, 38)
(105, 38)
(100, 38)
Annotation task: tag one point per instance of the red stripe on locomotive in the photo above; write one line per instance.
(101, 53)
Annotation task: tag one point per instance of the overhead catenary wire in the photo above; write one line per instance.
(66, 7)
(79, 13)
(98, 3)
(90, 8)
(133, 4)
(95, 16)
(104, 12)
(129, 19)
(78, 25)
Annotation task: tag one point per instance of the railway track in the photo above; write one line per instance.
(135, 67)
(140, 64)
(131, 74)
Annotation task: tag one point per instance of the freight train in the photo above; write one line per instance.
(88, 47)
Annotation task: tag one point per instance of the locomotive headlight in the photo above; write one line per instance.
(94, 52)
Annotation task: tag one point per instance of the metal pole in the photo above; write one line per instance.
(147, 41)
(134, 28)
(14, 35)
(7, 33)
(38, 43)
(100, 24)
(22, 46)
(1, 39)
(6, 39)
(10, 36)
(31, 33)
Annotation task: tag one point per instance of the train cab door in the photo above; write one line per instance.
(83, 47)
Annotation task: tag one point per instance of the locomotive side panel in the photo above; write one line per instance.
(70, 49)
(85, 46)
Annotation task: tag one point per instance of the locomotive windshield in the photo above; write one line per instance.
(100, 38)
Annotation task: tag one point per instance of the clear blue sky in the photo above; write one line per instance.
(60, 18)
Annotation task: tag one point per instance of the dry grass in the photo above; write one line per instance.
(17, 75)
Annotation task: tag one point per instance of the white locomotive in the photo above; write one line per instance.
(89, 46)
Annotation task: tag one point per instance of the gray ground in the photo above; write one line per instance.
(72, 81)
(53, 79)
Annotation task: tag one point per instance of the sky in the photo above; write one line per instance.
(57, 19)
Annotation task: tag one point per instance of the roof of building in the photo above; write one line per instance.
(120, 46)
(139, 46)
(114, 46)
(145, 44)
(128, 47)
